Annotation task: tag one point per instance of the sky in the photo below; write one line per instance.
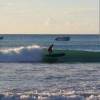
(49, 16)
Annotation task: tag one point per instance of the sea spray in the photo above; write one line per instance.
(31, 53)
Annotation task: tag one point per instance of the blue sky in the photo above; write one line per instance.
(49, 16)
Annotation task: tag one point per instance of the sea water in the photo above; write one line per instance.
(25, 48)
(34, 80)
(50, 81)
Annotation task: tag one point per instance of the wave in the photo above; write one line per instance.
(21, 54)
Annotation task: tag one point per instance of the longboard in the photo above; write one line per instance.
(55, 55)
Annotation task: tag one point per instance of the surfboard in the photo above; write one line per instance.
(55, 55)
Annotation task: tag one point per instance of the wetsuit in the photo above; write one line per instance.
(50, 49)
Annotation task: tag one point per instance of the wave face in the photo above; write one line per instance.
(21, 54)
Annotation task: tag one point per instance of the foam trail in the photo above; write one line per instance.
(21, 54)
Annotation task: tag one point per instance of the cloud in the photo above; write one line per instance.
(50, 21)
(47, 16)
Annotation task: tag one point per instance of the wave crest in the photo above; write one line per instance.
(29, 53)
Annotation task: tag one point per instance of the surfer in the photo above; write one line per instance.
(50, 49)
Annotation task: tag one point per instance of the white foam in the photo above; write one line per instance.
(18, 49)
(92, 97)
(29, 53)
(46, 97)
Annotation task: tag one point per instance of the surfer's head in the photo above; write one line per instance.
(52, 45)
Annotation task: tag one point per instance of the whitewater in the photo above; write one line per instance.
(32, 53)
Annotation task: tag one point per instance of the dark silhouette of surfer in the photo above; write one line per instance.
(50, 49)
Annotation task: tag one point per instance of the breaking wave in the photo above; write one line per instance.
(21, 54)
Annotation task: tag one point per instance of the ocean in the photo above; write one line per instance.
(25, 48)
(23, 75)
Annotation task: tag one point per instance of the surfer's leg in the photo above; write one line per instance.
(50, 52)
